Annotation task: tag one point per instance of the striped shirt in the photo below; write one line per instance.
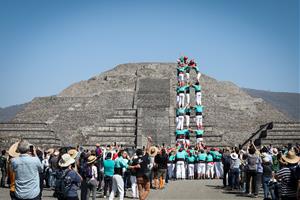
(285, 175)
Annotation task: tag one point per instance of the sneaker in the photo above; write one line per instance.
(104, 197)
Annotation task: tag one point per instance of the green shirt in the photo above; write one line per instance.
(199, 132)
(197, 88)
(120, 163)
(109, 166)
(198, 108)
(190, 159)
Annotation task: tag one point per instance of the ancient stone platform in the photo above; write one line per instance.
(133, 101)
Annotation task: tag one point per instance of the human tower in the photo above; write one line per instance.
(184, 105)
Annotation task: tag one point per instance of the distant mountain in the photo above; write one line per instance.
(289, 103)
(10, 112)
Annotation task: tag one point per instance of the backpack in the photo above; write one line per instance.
(63, 185)
(226, 161)
(295, 175)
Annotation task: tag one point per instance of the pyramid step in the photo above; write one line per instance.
(283, 137)
(121, 139)
(283, 133)
(23, 133)
(125, 112)
(111, 134)
(116, 129)
(23, 125)
(121, 121)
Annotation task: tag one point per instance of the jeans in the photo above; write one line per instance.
(266, 181)
(235, 178)
(107, 184)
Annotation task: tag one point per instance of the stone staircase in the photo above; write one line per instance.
(282, 134)
(119, 127)
(37, 133)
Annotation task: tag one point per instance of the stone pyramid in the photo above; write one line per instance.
(135, 100)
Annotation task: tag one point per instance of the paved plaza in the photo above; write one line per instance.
(187, 189)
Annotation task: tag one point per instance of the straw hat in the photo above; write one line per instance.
(234, 156)
(91, 159)
(73, 153)
(274, 151)
(50, 151)
(66, 160)
(153, 150)
(13, 150)
(290, 157)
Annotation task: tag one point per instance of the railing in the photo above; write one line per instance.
(262, 132)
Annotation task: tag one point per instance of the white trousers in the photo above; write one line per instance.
(187, 98)
(181, 77)
(210, 170)
(134, 188)
(117, 185)
(198, 76)
(198, 98)
(187, 121)
(199, 120)
(171, 167)
(181, 99)
(198, 140)
(180, 169)
(191, 168)
(180, 122)
(177, 99)
(201, 168)
(187, 77)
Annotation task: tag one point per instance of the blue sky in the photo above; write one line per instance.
(48, 45)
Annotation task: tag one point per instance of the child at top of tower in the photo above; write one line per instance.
(193, 65)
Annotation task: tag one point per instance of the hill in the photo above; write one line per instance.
(288, 103)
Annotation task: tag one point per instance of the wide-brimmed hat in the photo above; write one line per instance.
(234, 156)
(274, 151)
(73, 153)
(153, 150)
(50, 151)
(290, 157)
(13, 150)
(91, 159)
(66, 160)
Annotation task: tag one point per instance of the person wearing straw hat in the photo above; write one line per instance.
(70, 177)
(27, 170)
(285, 175)
(92, 182)
(235, 170)
(12, 152)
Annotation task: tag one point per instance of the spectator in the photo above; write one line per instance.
(109, 165)
(71, 177)
(27, 170)
(3, 167)
(92, 183)
(235, 170)
(285, 176)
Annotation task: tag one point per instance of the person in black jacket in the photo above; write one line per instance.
(161, 160)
